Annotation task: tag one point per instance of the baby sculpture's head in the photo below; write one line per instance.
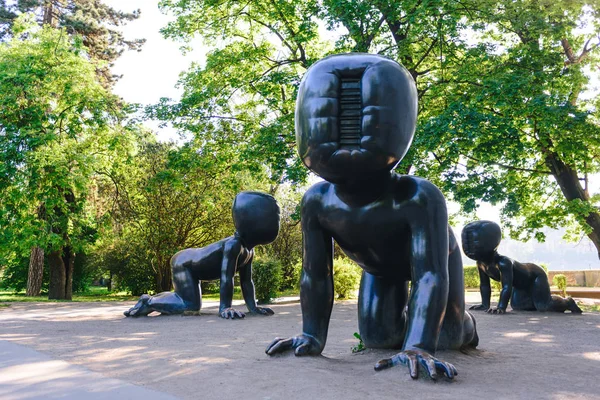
(355, 116)
(256, 217)
(480, 239)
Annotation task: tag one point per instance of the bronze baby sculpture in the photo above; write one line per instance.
(355, 120)
(256, 218)
(524, 284)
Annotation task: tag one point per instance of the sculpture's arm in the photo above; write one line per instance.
(484, 287)
(231, 252)
(316, 284)
(248, 290)
(506, 274)
(429, 293)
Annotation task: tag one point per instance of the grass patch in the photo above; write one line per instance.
(589, 307)
(95, 293)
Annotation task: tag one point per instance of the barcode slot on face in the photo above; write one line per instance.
(350, 113)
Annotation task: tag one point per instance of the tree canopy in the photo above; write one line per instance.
(503, 117)
(58, 128)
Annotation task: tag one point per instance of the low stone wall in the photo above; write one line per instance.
(587, 278)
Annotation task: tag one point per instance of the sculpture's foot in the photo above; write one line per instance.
(573, 306)
(470, 336)
(142, 308)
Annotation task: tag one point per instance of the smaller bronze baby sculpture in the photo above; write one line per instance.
(256, 219)
(525, 284)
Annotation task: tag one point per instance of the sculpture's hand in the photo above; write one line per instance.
(412, 358)
(479, 307)
(303, 345)
(263, 311)
(230, 313)
(496, 310)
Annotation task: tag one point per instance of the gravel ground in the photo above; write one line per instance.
(521, 354)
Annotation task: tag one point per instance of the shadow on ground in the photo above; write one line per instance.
(522, 354)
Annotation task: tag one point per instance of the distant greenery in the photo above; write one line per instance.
(267, 275)
(589, 307)
(560, 281)
(472, 279)
(346, 278)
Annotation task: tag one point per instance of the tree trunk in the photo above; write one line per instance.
(164, 276)
(36, 272)
(570, 185)
(61, 274)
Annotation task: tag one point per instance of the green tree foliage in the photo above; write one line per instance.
(173, 198)
(287, 248)
(96, 23)
(58, 128)
(501, 82)
(515, 129)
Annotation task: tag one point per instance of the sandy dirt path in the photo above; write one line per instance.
(521, 354)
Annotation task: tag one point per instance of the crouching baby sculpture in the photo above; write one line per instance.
(256, 218)
(524, 284)
(355, 119)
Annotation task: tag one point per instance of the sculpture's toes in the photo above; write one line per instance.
(140, 309)
(574, 307)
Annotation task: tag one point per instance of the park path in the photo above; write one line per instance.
(29, 374)
(521, 355)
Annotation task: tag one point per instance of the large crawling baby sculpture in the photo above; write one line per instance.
(355, 120)
(524, 284)
(256, 218)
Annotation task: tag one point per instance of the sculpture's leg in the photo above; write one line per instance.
(187, 296)
(522, 300)
(458, 328)
(544, 301)
(381, 311)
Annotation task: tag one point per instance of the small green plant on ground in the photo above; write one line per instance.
(560, 281)
(360, 346)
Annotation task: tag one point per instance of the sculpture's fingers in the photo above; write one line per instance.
(388, 362)
(446, 367)
(413, 367)
(239, 314)
(280, 346)
(275, 341)
(303, 349)
(126, 313)
(268, 311)
(454, 369)
(429, 365)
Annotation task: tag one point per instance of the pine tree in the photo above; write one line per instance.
(95, 22)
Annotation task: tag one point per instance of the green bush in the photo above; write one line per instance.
(128, 265)
(14, 275)
(346, 278)
(297, 275)
(560, 281)
(472, 279)
(211, 286)
(266, 274)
